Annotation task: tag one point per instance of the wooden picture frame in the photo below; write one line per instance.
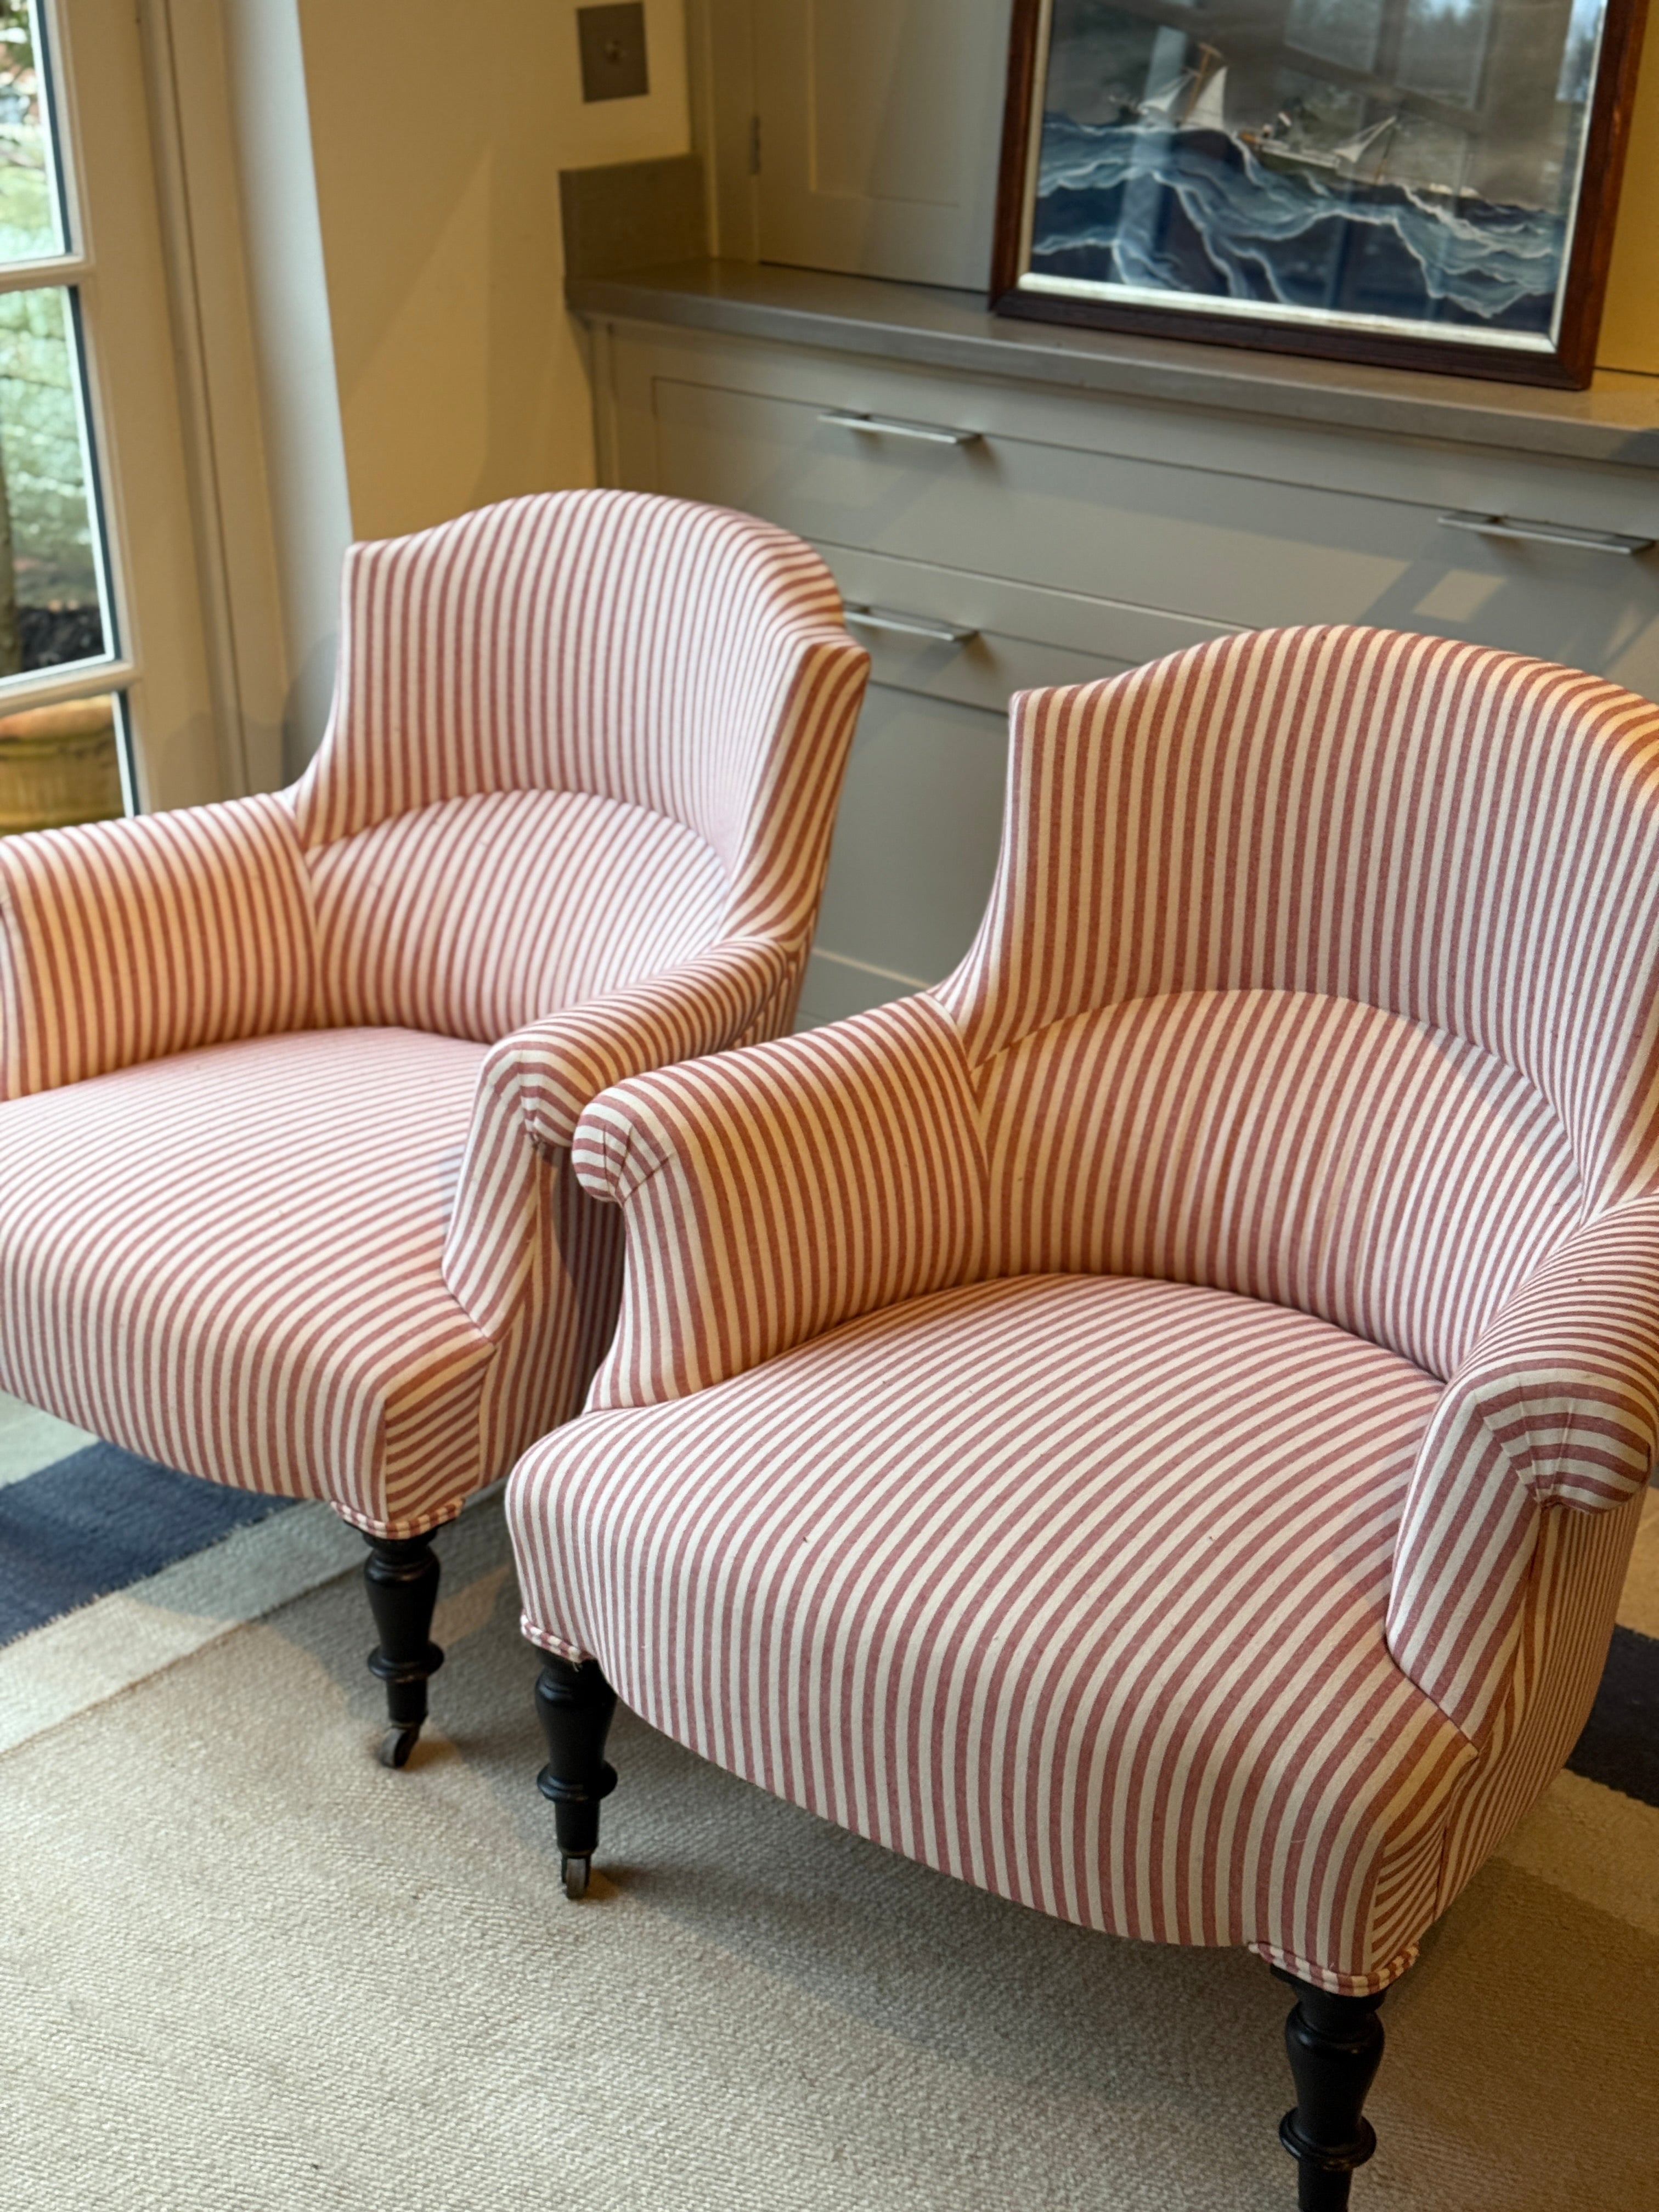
(1208, 164)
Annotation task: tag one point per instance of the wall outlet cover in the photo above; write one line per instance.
(613, 51)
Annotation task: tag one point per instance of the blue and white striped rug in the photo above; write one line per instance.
(99, 1520)
(112, 1568)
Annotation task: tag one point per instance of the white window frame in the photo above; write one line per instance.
(131, 435)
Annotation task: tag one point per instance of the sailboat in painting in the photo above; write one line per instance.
(1194, 100)
(1209, 109)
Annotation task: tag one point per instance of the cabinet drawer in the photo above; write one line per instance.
(914, 850)
(1219, 548)
(1023, 637)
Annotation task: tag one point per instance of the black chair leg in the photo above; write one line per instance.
(1335, 2047)
(576, 1702)
(402, 1576)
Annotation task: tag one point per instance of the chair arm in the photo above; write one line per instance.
(535, 1083)
(771, 1194)
(1555, 1404)
(123, 941)
(1564, 1378)
(561, 1064)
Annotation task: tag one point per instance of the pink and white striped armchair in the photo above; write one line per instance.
(1155, 1425)
(287, 1084)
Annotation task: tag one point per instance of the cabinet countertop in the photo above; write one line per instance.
(1615, 421)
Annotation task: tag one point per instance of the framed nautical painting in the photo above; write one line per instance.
(1425, 183)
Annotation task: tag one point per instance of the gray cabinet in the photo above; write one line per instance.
(873, 123)
(915, 845)
(1030, 535)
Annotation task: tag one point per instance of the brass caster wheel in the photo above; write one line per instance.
(397, 1744)
(572, 1873)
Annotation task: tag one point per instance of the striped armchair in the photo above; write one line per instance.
(1154, 1426)
(288, 1086)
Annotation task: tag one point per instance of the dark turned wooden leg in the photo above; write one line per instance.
(1335, 2047)
(575, 1704)
(402, 1575)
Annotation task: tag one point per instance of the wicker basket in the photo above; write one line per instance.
(58, 765)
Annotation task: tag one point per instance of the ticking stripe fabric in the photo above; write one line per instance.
(822, 1177)
(121, 941)
(673, 657)
(1455, 836)
(476, 916)
(230, 1261)
(1310, 1150)
(287, 1086)
(1556, 1404)
(1317, 995)
(1072, 1587)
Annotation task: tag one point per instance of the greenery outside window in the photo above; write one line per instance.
(62, 759)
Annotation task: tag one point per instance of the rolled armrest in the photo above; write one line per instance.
(535, 1083)
(1556, 1404)
(1565, 1379)
(561, 1064)
(771, 1194)
(123, 941)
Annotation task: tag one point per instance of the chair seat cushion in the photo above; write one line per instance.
(1072, 1587)
(229, 1260)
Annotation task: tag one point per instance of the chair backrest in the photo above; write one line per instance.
(1321, 964)
(645, 655)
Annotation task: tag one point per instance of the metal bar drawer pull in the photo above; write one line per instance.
(942, 632)
(1545, 533)
(887, 426)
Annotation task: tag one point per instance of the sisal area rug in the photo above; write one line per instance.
(247, 1970)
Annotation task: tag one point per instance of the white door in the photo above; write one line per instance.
(104, 688)
(878, 127)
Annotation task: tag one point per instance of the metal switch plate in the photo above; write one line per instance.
(613, 51)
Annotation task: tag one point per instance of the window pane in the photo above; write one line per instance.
(51, 607)
(60, 764)
(30, 221)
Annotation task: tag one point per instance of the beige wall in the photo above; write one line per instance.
(438, 135)
(439, 139)
(1630, 324)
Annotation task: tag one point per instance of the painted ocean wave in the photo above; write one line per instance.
(1194, 211)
